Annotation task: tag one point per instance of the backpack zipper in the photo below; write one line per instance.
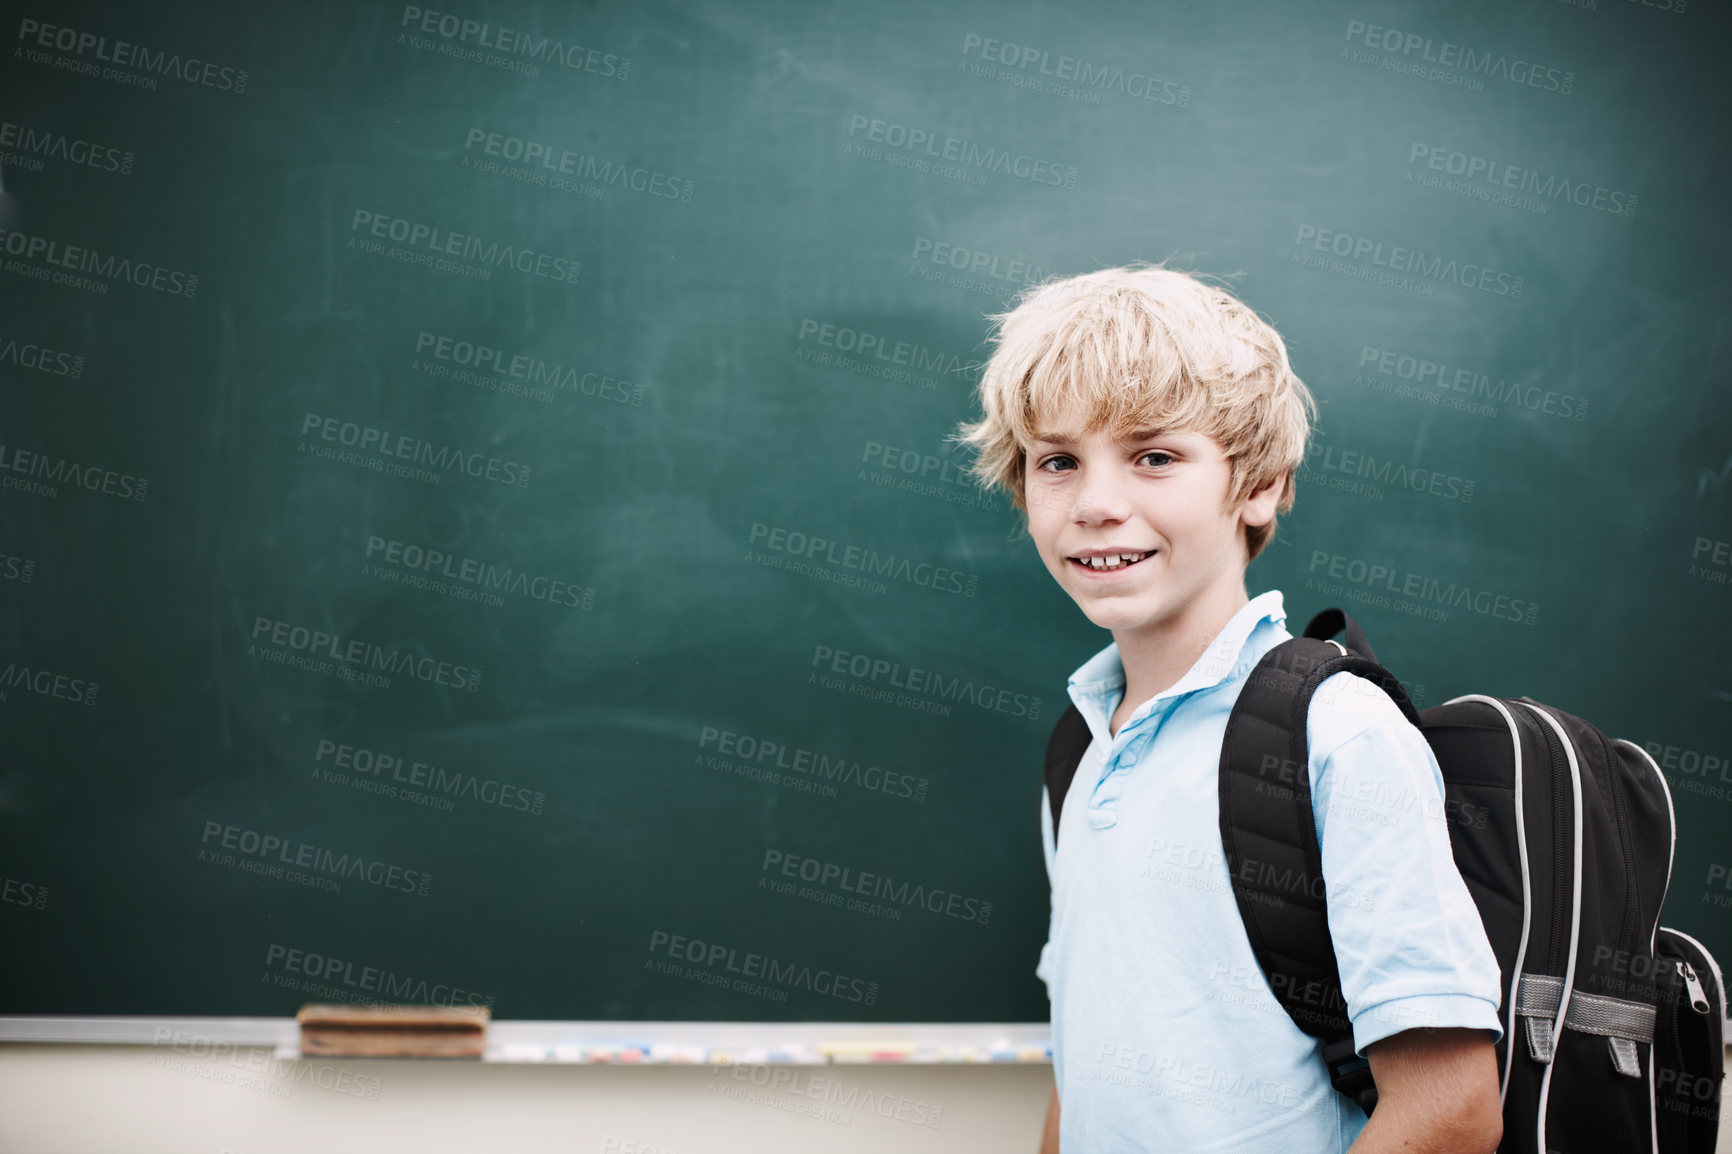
(1713, 968)
(1628, 927)
(1567, 781)
(1680, 1062)
(1522, 770)
(1560, 839)
(1698, 996)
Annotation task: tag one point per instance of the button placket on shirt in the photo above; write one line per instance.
(1103, 811)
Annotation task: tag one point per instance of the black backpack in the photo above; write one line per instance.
(1564, 839)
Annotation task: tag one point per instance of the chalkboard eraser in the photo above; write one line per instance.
(394, 1031)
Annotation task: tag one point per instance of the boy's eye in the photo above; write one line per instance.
(1059, 464)
(1156, 458)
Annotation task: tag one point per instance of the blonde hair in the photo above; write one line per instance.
(1142, 348)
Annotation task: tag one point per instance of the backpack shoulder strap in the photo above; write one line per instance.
(1064, 750)
(1269, 834)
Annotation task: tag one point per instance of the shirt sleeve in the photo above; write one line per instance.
(1409, 942)
(1048, 843)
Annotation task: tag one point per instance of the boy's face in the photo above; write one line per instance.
(1139, 531)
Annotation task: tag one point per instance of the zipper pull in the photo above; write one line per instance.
(1698, 996)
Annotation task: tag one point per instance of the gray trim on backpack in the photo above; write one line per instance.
(1653, 939)
(1527, 882)
(1622, 1023)
(1569, 979)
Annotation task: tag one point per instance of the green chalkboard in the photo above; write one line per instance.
(478, 523)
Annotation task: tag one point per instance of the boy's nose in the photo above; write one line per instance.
(1099, 500)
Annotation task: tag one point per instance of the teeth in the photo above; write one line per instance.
(1113, 560)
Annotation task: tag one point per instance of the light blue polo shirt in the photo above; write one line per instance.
(1165, 1033)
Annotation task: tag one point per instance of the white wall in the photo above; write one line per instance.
(76, 1099)
(63, 1099)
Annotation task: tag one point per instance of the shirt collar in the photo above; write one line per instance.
(1240, 644)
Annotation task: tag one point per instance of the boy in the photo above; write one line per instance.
(1148, 425)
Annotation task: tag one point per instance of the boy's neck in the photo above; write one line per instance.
(1157, 656)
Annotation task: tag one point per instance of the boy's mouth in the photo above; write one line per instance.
(1107, 562)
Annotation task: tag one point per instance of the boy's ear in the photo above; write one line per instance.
(1259, 508)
